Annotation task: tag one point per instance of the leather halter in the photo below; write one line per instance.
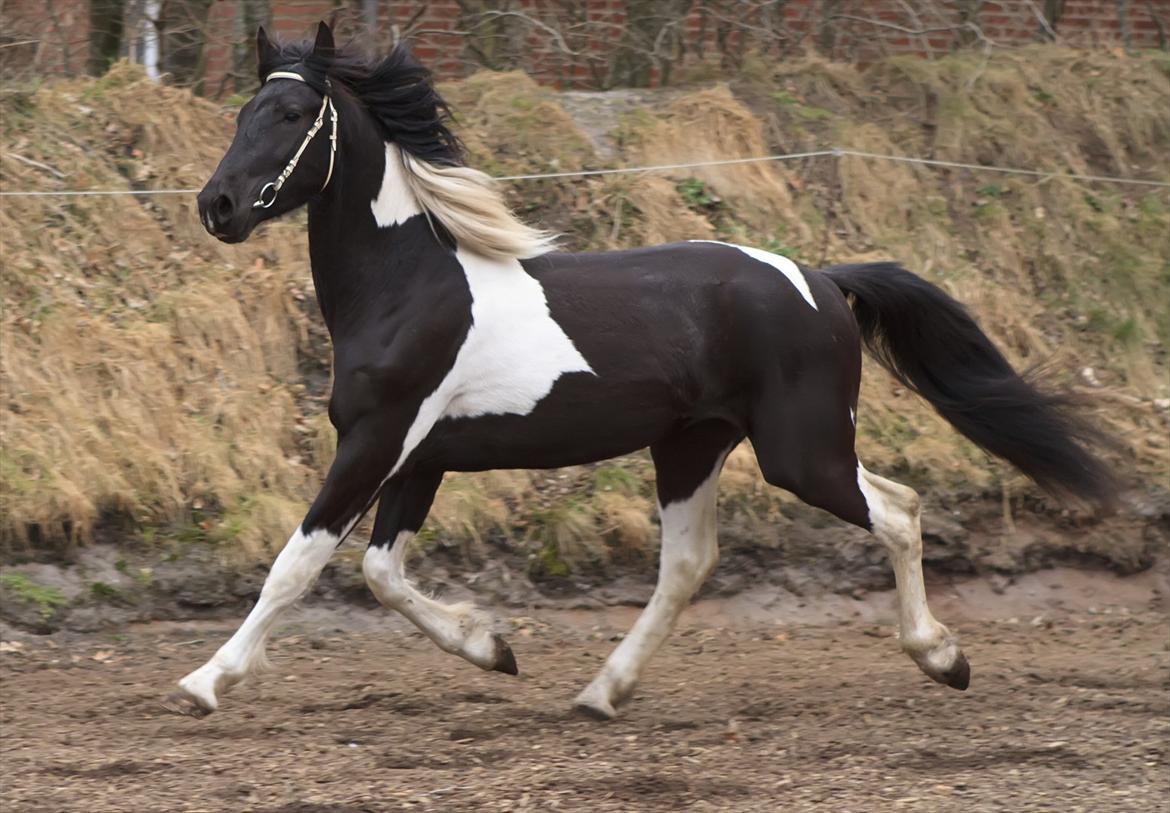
(263, 202)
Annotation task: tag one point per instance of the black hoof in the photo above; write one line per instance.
(505, 660)
(959, 675)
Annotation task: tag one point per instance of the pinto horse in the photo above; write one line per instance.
(463, 342)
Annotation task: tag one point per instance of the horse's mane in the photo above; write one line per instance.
(400, 95)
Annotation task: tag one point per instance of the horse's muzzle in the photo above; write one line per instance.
(222, 215)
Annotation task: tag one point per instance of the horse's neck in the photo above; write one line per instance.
(367, 245)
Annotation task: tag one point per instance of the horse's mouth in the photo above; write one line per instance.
(234, 235)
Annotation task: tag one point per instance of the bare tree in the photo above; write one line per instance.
(183, 36)
(106, 21)
(650, 41)
(250, 15)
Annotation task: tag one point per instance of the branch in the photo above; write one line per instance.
(1048, 29)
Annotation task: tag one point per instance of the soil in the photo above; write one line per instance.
(759, 702)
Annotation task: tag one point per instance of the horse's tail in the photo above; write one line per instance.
(932, 345)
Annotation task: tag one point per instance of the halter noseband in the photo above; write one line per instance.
(326, 104)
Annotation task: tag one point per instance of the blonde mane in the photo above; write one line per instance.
(470, 206)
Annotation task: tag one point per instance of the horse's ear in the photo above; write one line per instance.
(323, 46)
(265, 50)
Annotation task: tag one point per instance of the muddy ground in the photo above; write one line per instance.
(759, 703)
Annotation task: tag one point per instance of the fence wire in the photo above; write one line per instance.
(832, 152)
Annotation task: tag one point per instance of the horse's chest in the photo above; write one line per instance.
(512, 356)
(514, 351)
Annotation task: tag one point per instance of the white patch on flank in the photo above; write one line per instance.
(459, 629)
(395, 203)
(293, 572)
(512, 356)
(782, 264)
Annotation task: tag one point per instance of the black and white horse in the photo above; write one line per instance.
(463, 342)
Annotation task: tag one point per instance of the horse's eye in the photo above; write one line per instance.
(292, 115)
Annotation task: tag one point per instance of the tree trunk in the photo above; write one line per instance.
(250, 15)
(650, 40)
(182, 39)
(105, 34)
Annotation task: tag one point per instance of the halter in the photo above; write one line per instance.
(326, 104)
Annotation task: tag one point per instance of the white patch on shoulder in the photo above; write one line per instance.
(395, 202)
(512, 356)
(782, 264)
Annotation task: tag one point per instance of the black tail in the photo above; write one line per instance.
(933, 346)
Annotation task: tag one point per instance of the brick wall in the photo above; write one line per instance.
(581, 44)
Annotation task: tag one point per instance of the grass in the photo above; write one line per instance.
(152, 376)
(46, 600)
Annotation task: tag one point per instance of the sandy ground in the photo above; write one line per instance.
(752, 706)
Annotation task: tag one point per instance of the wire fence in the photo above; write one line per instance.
(832, 152)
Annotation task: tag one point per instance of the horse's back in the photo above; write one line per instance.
(672, 335)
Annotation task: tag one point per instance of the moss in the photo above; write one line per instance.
(547, 563)
(107, 593)
(46, 600)
(1128, 332)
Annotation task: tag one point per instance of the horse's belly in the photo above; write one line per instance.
(578, 422)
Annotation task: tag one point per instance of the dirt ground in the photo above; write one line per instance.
(756, 704)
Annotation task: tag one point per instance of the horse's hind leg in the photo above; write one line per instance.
(804, 444)
(895, 512)
(688, 465)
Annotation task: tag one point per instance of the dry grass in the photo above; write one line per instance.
(151, 374)
(148, 372)
(709, 125)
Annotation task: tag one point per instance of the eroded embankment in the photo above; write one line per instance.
(164, 392)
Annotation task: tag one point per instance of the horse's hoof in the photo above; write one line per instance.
(595, 710)
(959, 675)
(505, 661)
(594, 703)
(183, 703)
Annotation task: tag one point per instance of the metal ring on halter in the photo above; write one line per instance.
(326, 103)
(260, 203)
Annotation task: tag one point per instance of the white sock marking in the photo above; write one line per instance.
(459, 629)
(894, 516)
(689, 552)
(293, 572)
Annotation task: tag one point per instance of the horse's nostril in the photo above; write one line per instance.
(223, 208)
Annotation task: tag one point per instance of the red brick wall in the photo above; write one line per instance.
(721, 32)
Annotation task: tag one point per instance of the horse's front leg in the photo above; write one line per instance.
(460, 629)
(349, 489)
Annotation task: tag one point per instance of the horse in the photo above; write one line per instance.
(463, 341)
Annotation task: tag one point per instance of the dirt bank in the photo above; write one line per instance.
(105, 586)
(165, 388)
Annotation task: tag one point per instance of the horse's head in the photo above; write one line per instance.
(285, 145)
